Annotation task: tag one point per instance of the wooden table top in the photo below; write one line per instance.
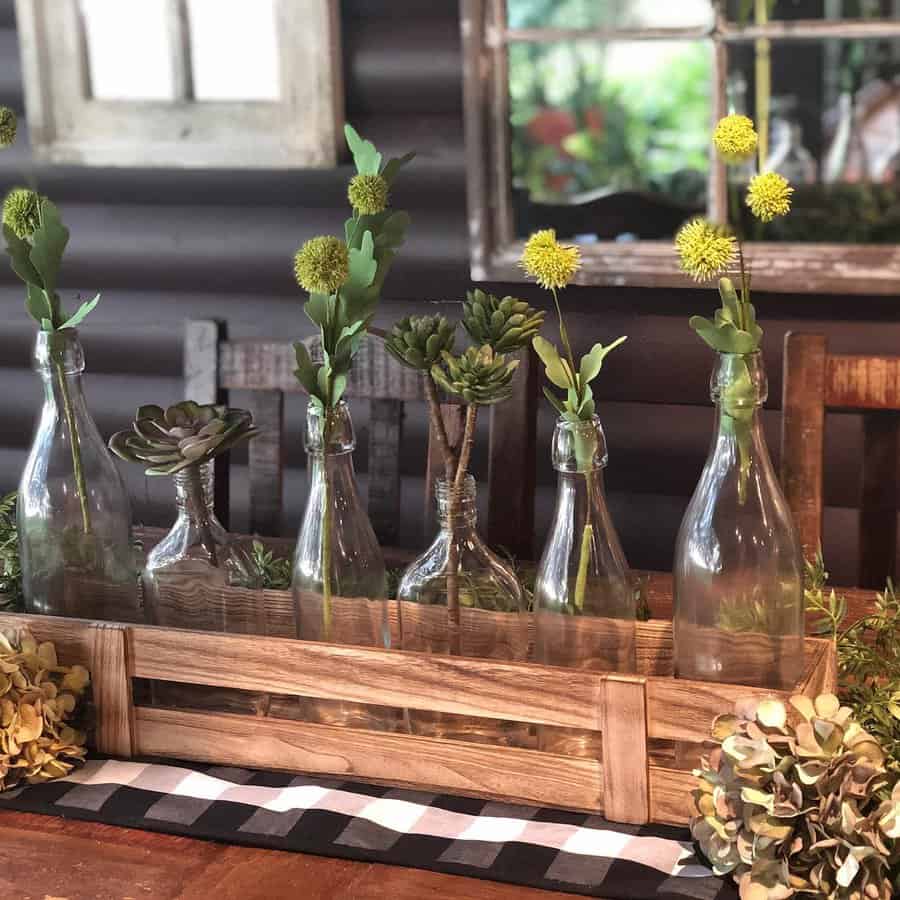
(47, 858)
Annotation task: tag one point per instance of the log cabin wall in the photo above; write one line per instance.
(164, 246)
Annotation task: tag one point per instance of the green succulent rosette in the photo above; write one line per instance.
(418, 341)
(186, 434)
(480, 376)
(506, 325)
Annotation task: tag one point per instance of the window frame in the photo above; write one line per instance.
(67, 126)
(777, 267)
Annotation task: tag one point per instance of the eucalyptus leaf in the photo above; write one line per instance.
(78, 317)
(365, 156)
(48, 243)
(557, 373)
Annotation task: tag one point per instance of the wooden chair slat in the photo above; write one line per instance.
(266, 461)
(385, 440)
(862, 382)
(878, 499)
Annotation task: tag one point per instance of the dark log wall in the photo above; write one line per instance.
(168, 245)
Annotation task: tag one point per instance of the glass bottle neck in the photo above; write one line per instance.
(457, 508)
(194, 495)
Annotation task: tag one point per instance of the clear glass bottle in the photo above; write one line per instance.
(487, 621)
(185, 573)
(738, 568)
(584, 602)
(73, 511)
(339, 580)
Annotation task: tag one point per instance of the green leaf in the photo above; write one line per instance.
(731, 305)
(554, 368)
(724, 337)
(317, 309)
(389, 173)
(305, 372)
(592, 361)
(78, 317)
(38, 305)
(358, 298)
(555, 402)
(365, 156)
(48, 243)
(19, 252)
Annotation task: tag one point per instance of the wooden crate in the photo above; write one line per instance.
(630, 712)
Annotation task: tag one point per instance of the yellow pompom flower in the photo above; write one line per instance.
(368, 194)
(735, 139)
(551, 264)
(705, 250)
(769, 195)
(322, 265)
(22, 212)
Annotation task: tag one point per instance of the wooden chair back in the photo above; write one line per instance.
(214, 366)
(815, 381)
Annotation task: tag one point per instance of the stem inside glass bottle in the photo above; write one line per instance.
(74, 439)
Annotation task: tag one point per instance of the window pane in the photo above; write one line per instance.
(129, 49)
(234, 50)
(744, 11)
(835, 134)
(609, 13)
(609, 139)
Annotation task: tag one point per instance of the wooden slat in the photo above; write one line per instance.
(512, 464)
(802, 435)
(454, 418)
(112, 690)
(202, 344)
(626, 789)
(385, 440)
(670, 796)
(266, 462)
(464, 686)
(269, 366)
(862, 382)
(504, 773)
(878, 499)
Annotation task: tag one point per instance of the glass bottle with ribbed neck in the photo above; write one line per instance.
(73, 511)
(339, 578)
(194, 560)
(738, 570)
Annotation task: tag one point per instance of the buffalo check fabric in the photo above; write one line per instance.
(540, 847)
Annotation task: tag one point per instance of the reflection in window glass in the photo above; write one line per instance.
(129, 50)
(609, 13)
(610, 139)
(234, 50)
(743, 11)
(835, 133)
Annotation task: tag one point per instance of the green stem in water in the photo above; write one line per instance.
(587, 538)
(326, 528)
(75, 444)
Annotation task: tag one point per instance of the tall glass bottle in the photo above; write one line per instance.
(738, 568)
(489, 620)
(73, 512)
(185, 573)
(584, 602)
(339, 580)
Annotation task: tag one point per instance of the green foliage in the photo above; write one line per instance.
(506, 325)
(868, 652)
(734, 328)
(344, 315)
(11, 597)
(37, 259)
(578, 404)
(260, 568)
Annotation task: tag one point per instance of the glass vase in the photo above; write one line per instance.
(584, 601)
(738, 571)
(73, 511)
(185, 574)
(339, 580)
(459, 598)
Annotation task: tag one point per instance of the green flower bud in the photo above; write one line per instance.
(8, 126)
(368, 194)
(22, 211)
(322, 265)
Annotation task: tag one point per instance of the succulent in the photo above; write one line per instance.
(258, 567)
(480, 376)
(806, 809)
(418, 341)
(506, 325)
(183, 435)
(39, 699)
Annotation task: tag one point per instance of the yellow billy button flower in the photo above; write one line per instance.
(735, 139)
(769, 195)
(368, 194)
(551, 264)
(705, 250)
(322, 265)
(22, 212)
(8, 126)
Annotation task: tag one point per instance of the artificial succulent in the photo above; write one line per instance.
(186, 434)
(418, 341)
(39, 699)
(805, 809)
(505, 325)
(480, 376)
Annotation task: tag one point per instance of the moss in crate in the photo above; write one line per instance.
(11, 597)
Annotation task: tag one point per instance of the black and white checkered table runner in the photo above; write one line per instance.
(534, 846)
